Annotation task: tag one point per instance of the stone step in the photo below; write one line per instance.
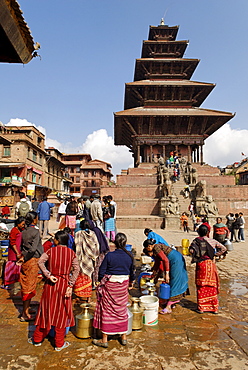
(140, 222)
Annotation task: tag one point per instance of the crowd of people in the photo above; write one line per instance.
(233, 229)
(70, 268)
(77, 259)
(102, 212)
(170, 265)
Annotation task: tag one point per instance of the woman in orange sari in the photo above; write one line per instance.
(203, 250)
(31, 250)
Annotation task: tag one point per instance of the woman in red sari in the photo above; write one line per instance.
(55, 306)
(203, 250)
(12, 270)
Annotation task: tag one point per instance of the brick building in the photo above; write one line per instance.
(55, 175)
(87, 175)
(26, 165)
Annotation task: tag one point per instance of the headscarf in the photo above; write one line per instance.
(201, 250)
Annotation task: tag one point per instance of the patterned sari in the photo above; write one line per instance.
(111, 310)
(87, 251)
(207, 285)
(206, 275)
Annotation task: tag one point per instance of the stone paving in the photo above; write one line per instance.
(183, 339)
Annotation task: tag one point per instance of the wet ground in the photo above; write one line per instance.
(183, 339)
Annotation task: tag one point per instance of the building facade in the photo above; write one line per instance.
(86, 174)
(25, 165)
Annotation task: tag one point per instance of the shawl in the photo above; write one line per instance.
(201, 250)
(87, 250)
(161, 247)
(103, 244)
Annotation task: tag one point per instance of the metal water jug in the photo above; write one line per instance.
(84, 322)
(137, 312)
(228, 244)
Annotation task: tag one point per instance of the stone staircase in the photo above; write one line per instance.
(178, 190)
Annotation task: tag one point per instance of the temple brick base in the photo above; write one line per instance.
(137, 196)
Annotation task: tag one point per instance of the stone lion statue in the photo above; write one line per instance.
(210, 207)
(201, 189)
(172, 207)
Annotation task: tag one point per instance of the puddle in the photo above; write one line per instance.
(238, 287)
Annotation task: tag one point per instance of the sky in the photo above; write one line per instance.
(88, 52)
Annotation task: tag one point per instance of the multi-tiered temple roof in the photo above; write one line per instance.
(161, 110)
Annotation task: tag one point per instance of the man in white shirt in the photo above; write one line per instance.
(241, 235)
(23, 199)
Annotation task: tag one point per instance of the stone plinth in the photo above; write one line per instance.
(172, 222)
(140, 222)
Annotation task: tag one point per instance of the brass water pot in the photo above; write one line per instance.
(137, 312)
(84, 322)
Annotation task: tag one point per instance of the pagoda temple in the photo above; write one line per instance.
(162, 106)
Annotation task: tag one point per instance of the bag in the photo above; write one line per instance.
(106, 215)
(23, 209)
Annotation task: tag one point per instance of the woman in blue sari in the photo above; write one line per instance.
(171, 264)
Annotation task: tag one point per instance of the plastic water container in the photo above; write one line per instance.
(5, 243)
(129, 247)
(164, 291)
(150, 305)
(4, 247)
(185, 245)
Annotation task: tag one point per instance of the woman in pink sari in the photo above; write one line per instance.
(116, 275)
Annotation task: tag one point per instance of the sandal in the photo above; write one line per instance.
(164, 311)
(30, 341)
(123, 342)
(99, 343)
(65, 345)
(26, 319)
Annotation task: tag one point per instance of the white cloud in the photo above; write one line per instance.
(222, 148)
(98, 144)
(225, 146)
(24, 122)
(101, 146)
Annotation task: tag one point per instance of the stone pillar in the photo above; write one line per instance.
(201, 153)
(164, 151)
(198, 154)
(138, 155)
(189, 154)
(151, 153)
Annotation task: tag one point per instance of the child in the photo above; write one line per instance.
(55, 306)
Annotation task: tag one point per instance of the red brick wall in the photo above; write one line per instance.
(136, 180)
(230, 198)
(217, 180)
